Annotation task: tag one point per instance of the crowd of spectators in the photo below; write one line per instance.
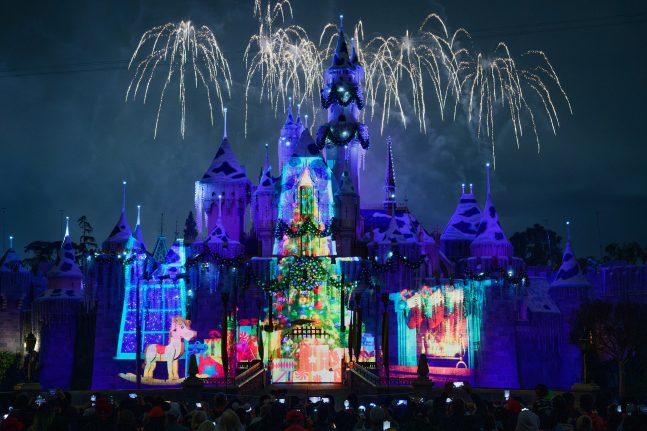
(456, 409)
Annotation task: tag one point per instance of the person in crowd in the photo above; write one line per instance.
(198, 418)
(586, 406)
(126, 420)
(229, 421)
(527, 421)
(295, 421)
(543, 406)
(560, 419)
(174, 418)
(155, 419)
(584, 423)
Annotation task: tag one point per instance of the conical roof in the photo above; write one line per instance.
(11, 262)
(306, 146)
(465, 221)
(224, 166)
(139, 238)
(341, 58)
(266, 182)
(65, 266)
(398, 231)
(570, 273)
(490, 239)
(120, 236)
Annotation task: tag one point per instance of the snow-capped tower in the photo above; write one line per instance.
(55, 317)
(490, 241)
(224, 185)
(343, 135)
(570, 289)
(264, 206)
(120, 238)
(346, 214)
(289, 137)
(390, 203)
(570, 278)
(139, 238)
(462, 226)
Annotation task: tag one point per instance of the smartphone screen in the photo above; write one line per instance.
(325, 400)
(458, 384)
(315, 399)
(198, 405)
(386, 425)
(133, 395)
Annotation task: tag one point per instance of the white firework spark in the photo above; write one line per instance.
(188, 52)
(284, 59)
(495, 85)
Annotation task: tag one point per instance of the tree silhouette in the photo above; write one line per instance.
(631, 252)
(532, 245)
(190, 229)
(40, 252)
(87, 243)
(617, 331)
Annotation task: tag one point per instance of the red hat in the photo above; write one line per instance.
(11, 424)
(513, 405)
(294, 415)
(156, 412)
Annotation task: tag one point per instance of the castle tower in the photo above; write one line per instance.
(56, 315)
(139, 244)
(289, 137)
(490, 241)
(120, 239)
(347, 215)
(161, 246)
(343, 135)
(569, 289)
(462, 226)
(264, 206)
(15, 280)
(390, 203)
(224, 189)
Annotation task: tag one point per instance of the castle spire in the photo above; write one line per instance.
(340, 59)
(224, 116)
(67, 227)
(487, 173)
(11, 241)
(121, 234)
(139, 238)
(353, 56)
(123, 198)
(569, 274)
(290, 118)
(389, 179)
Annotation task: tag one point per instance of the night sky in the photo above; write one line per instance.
(68, 139)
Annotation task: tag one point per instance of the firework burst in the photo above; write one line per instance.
(188, 53)
(495, 85)
(283, 59)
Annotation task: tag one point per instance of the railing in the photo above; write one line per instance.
(397, 381)
(249, 374)
(218, 381)
(364, 374)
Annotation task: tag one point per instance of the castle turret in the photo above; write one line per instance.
(390, 203)
(265, 208)
(343, 135)
(225, 189)
(56, 315)
(15, 281)
(490, 241)
(569, 290)
(346, 215)
(120, 239)
(139, 244)
(462, 226)
(290, 133)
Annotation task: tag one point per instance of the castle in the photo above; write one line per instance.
(320, 280)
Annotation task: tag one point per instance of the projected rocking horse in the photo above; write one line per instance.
(170, 353)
